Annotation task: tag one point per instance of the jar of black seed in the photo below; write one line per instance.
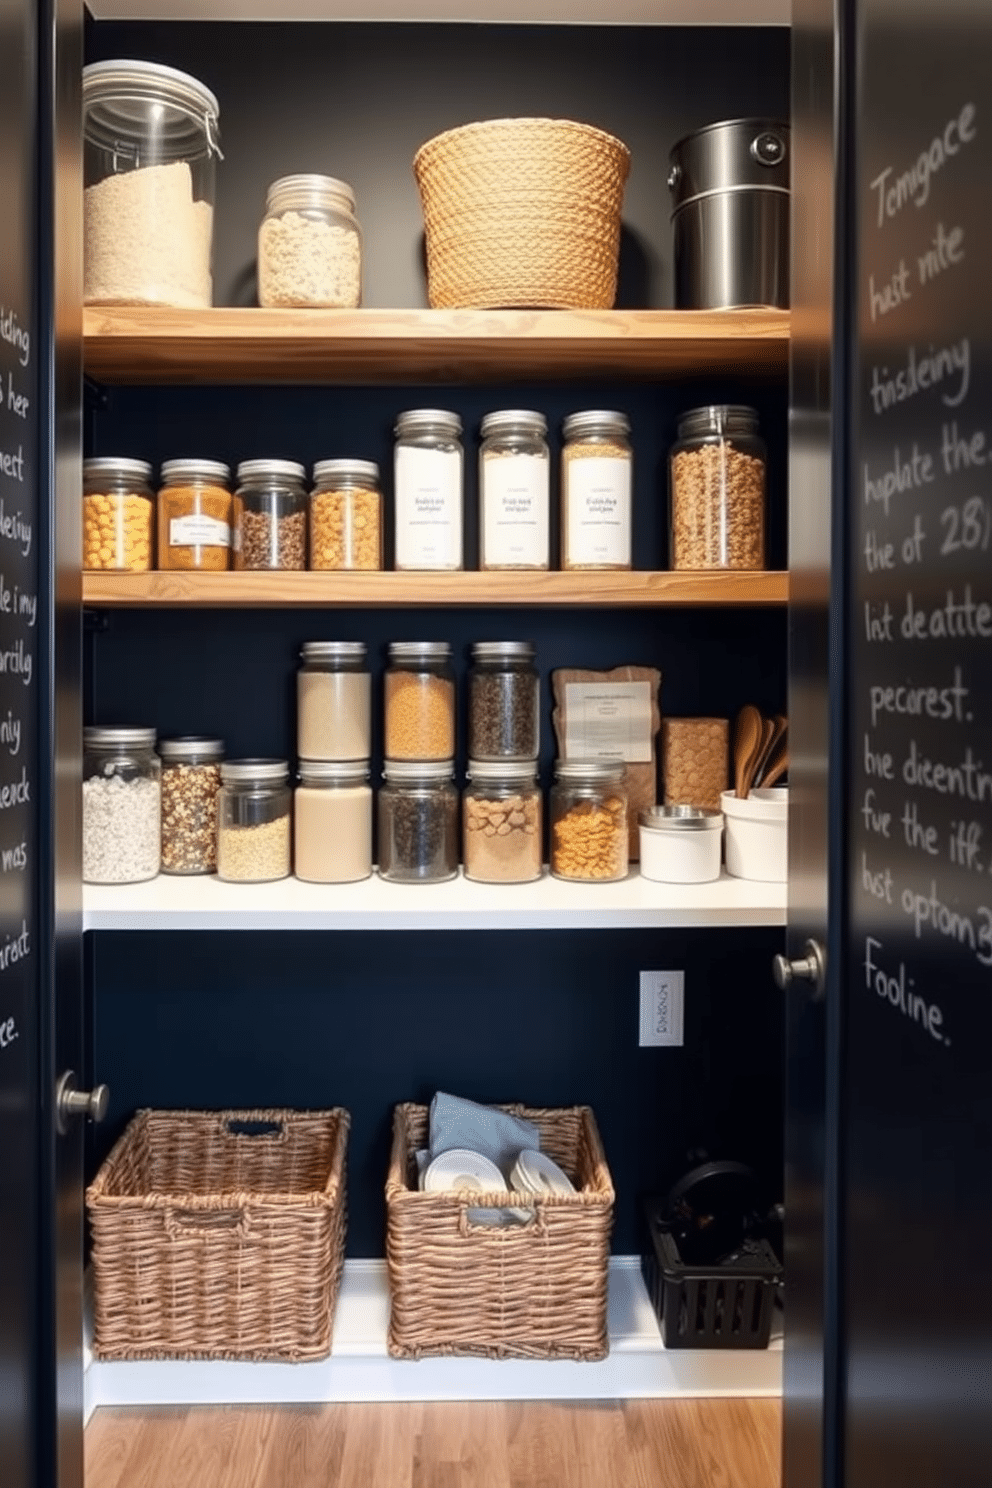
(418, 822)
(504, 702)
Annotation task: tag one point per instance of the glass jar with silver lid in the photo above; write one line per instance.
(428, 485)
(190, 786)
(501, 821)
(346, 515)
(418, 822)
(118, 514)
(589, 836)
(333, 701)
(332, 821)
(122, 801)
(310, 245)
(514, 490)
(254, 813)
(596, 490)
(270, 515)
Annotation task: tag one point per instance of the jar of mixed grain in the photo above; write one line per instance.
(190, 787)
(332, 822)
(503, 702)
(717, 490)
(254, 812)
(589, 838)
(270, 515)
(418, 822)
(428, 490)
(310, 245)
(118, 515)
(122, 799)
(195, 508)
(419, 701)
(514, 490)
(346, 515)
(596, 490)
(333, 701)
(501, 822)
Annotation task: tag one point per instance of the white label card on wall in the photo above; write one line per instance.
(662, 1009)
(608, 721)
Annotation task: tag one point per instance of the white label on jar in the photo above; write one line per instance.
(198, 532)
(608, 721)
(598, 510)
(428, 508)
(515, 511)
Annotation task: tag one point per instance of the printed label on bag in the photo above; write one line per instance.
(428, 508)
(515, 511)
(198, 532)
(598, 509)
(608, 721)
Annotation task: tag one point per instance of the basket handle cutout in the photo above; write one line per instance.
(255, 1128)
(204, 1224)
(536, 1224)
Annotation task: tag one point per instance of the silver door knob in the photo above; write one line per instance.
(71, 1103)
(811, 968)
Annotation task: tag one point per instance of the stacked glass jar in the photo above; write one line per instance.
(501, 815)
(418, 802)
(334, 743)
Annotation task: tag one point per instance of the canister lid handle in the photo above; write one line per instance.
(768, 148)
(674, 177)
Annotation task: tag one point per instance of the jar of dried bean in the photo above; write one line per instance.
(333, 701)
(332, 821)
(270, 515)
(514, 490)
(717, 490)
(419, 701)
(589, 838)
(596, 486)
(254, 812)
(310, 245)
(194, 515)
(346, 515)
(190, 786)
(503, 702)
(427, 488)
(118, 514)
(501, 822)
(122, 798)
(418, 822)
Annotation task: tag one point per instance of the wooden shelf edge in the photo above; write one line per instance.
(392, 590)
(154, 344)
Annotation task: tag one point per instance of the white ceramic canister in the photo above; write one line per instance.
(680, 844)
(758, 834)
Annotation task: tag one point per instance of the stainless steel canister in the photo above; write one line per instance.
(730, 215)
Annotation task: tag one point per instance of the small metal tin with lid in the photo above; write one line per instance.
(589, 837)
(596, 490)
(118, 514)
(190, 786)
(332, 821)
(501, 821)
(270, 515)
(418, 821)
(333, 701)
(195, 508)
(427, 488)
(680, 844)
(122, 798)
(254, 814)
(504, 714)
(346, 515)
(730, 215)
(514, 490)
(310, 245)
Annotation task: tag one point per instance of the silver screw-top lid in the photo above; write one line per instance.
(313, 192)
(419, 650)
(718, 418)
(428, 421)
(115, 467)
(279, 471)
(109, 736)
(592, 770)
(681, 819)
(345, 471)
(503, 651)
(347, 653)
(254, 772)
(418, 770)
(182, 472)
(489, 771)
(191, 749)
(512, 421)
(605, 422)
(333, 772)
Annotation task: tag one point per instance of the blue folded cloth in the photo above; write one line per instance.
(495, 1134)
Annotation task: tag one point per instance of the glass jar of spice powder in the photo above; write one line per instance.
(589, 838)
(514, 490)
(420, 701)
(194, 515)
(333, 701)
(254, 812)
(596, 499)
(503, 702)
(501, 822)
(190, 786)
(418, 822)
(270, 515)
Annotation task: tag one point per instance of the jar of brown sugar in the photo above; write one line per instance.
(194, 515)
(501, 822)
(419, 701)
(717, 490)
(589, 839)
(346, 515)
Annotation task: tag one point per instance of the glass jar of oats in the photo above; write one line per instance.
(596, 484)
(310, 245)
(194, 515)
(254, 814)
(346, 515)
(717, 490)
(118, 515)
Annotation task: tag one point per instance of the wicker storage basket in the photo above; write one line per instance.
(522, 212)
(533, 1291)
(219, 1235)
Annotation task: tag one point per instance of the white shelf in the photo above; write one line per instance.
(359, 1368)
(173, 903)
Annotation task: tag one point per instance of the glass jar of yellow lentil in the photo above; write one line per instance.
(346, 515)
(118, 515)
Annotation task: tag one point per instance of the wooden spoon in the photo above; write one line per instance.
(778, 766)
(761, 758)
(780, 727)
(747, 742)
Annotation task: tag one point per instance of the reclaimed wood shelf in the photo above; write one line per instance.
(612, 589)
(147, 344)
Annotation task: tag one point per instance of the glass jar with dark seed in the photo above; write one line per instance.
(418, 822)
(190, 785)
(504, 719)
(270, 515)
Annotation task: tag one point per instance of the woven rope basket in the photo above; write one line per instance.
(522, 212)
(219, 1235)
(532, 1291)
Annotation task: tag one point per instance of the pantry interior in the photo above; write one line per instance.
(287, 998)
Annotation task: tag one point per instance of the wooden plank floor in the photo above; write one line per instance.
(632, 1444)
